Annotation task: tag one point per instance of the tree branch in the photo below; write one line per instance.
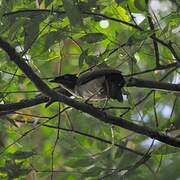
(121, 146)
(22, 104)
(153, 85)
(162, 67)
(156, 49)
(168, 45)
(103, 116)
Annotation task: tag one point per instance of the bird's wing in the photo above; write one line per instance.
(91, 88)
(88, 76)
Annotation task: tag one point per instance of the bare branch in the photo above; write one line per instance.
(103, 116)
(156, 48)
(153, 85)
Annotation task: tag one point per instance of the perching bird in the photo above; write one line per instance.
(94, 85)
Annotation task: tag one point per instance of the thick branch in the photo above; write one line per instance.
(153, 85)
(22, 104)
(130, 82)
(9, 108)
(103, 116)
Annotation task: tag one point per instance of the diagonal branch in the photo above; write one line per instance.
(156, 48)
(100, 115)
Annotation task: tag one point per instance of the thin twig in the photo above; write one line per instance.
(156, 48)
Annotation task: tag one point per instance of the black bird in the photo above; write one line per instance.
(94, 85)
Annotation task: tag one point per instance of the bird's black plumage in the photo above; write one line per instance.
(95, 85)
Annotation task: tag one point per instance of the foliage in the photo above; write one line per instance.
(69, 36)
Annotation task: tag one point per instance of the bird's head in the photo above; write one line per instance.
(67, 80)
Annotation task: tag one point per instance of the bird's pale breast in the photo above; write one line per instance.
(92, 89)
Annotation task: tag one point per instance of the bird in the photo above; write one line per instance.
(93, 85)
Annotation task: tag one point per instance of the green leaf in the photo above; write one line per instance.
(82, 57)
(165, 150)
(54, 37)
(14, 28)
(47, 2)
(14, 170)
(86, 6)
(93, 37)
(73, 12)
(138, 37)
(91, 60)
(31, 30)
(119, 1)
(22, 154)
(140, 4)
